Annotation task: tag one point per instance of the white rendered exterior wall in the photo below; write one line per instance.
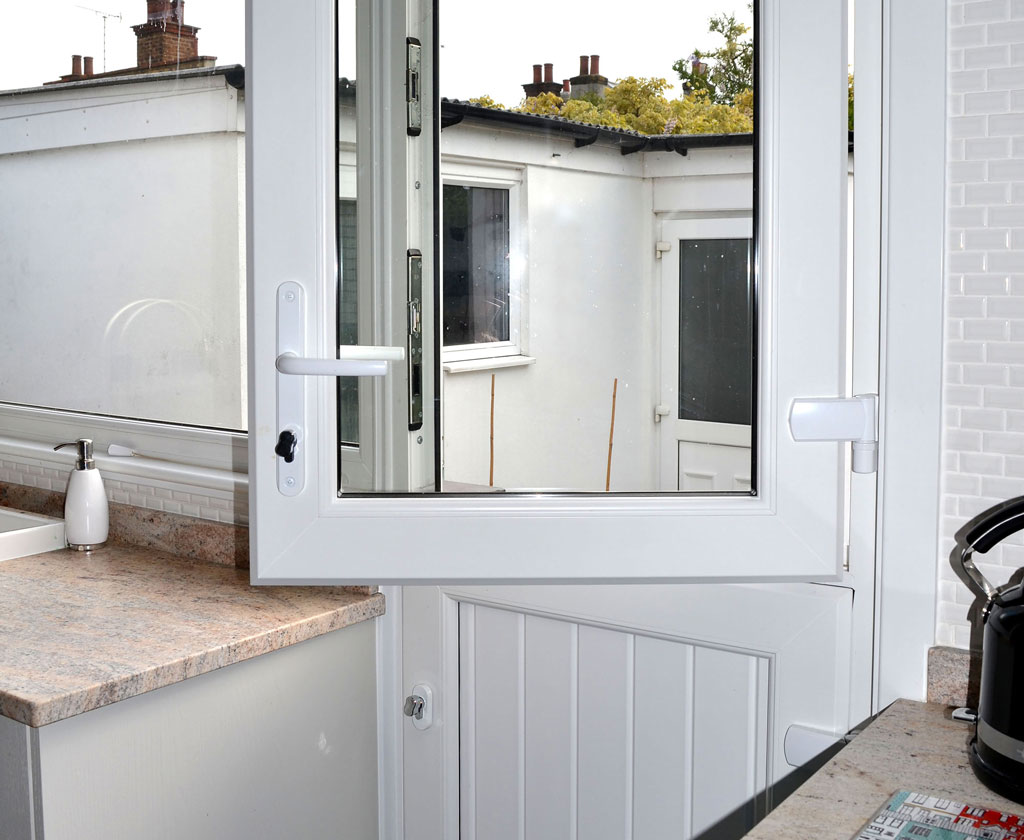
(591, 303)
(124, 259)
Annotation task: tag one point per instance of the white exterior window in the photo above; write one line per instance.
(483, 267)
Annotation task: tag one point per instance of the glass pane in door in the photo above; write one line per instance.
(715, 325)
(561, 158)
(594, 135)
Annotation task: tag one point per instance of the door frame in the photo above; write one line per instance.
(893, 558)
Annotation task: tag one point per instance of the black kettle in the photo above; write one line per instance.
(997, 749)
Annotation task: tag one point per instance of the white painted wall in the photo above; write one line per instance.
(590, 309)
(983, 399)
(592, 298)
(123, 265)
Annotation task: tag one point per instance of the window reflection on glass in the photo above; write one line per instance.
(122, 227)
(475, 274)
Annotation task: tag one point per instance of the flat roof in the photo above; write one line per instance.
(234, 75)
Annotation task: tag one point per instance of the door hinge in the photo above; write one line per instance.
(840, 419)
(660, 411)
(661, 247)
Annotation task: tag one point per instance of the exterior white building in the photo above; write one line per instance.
(154, 327)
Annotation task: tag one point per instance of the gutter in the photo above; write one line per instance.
(454, 111)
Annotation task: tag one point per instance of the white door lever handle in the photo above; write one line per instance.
(292, 368)
(294, 365)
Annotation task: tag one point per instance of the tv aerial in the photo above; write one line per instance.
(106, 16)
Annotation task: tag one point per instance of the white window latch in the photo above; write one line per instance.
(292, 368)
(840, 419)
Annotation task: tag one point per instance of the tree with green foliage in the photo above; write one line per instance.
(849, 101)
(485, 102)
(724, 73)
(640, 104)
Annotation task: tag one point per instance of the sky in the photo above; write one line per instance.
(487, 48)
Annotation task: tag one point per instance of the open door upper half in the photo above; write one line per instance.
(428, 268)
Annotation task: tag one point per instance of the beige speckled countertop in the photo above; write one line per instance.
(81, 631)
(911, 746)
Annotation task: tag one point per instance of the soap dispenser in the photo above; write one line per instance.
(86, 515)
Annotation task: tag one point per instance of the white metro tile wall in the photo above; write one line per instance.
(983, 396)
(155, 494)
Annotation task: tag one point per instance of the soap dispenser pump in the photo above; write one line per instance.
(86, 514)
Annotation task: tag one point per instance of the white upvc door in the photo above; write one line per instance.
(319, 537)
(306, 528)
(704, 445)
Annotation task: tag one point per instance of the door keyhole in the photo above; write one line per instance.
(286, 444)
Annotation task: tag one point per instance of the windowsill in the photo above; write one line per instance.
(491, 363)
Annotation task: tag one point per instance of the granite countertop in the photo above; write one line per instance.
(82, 631)
(911, 746)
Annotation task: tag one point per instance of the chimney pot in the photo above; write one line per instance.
(595, 65)
(88, 65)
(565, 85)
(536, 74)
(549, 72)
(584, 65)
(158, 10)
(76, 65)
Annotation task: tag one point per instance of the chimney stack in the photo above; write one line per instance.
(164, 39)
(589, 81)
(566, 90)
(88, 65)
(76, 65)
(547, 85)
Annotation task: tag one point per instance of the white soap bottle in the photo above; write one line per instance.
(86, 514)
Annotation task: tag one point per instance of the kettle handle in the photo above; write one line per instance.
(996, 524)
(988, 529)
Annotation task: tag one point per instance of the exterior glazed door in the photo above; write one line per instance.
(706, 355)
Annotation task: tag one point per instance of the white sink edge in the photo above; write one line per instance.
(35, 534)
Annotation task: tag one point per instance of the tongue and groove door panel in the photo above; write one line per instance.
(596, 728)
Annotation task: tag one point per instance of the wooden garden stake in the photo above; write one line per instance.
(611, 438)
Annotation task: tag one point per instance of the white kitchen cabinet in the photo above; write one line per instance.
(280, 746)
